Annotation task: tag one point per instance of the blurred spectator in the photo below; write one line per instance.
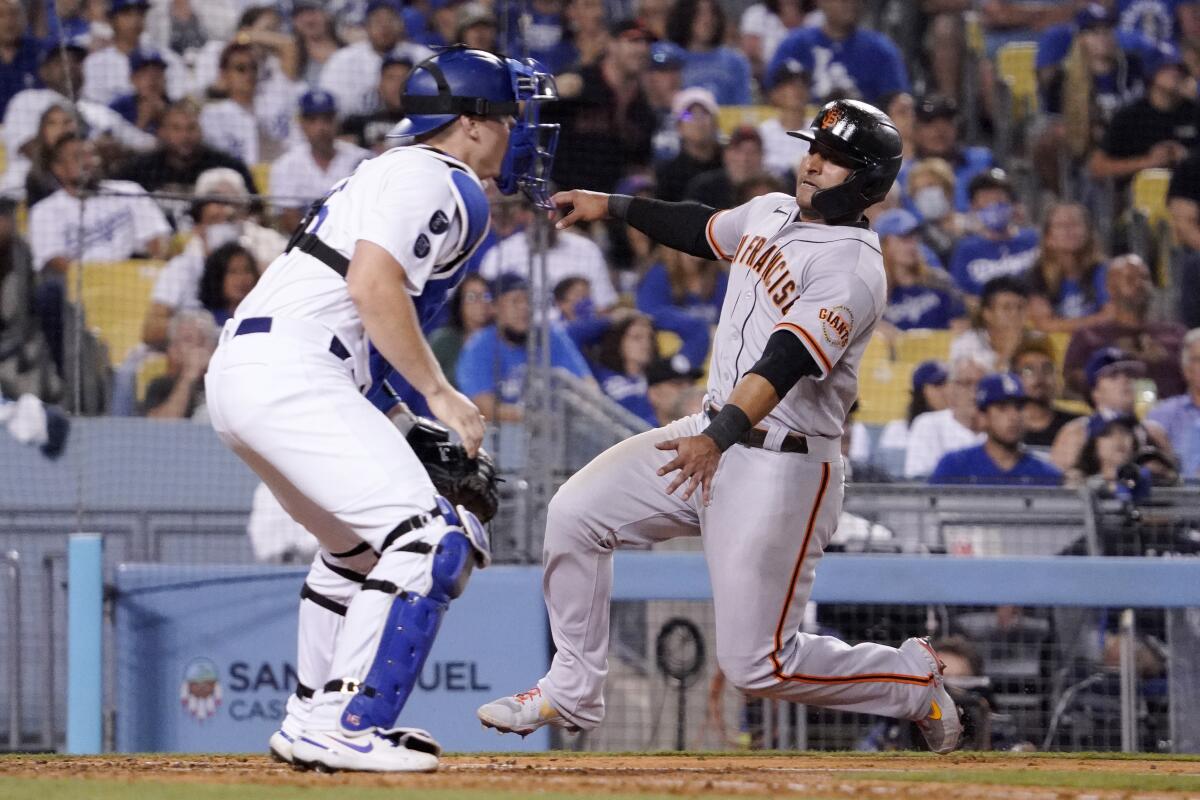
(309, 170)
(371, 129)
(931, 186)
(1110, 444)
(919, 296)
(116, 223)
(935, 433)
(344, 71)
(1000, 247)
(928, 394)
(902, 109)
(1180, 415)
(470, 311)
(741, 158)
(18, 53)
(60, 70)
(1128, 326)
(253, 122)
(698, 26)
(1111, 374)
(945, 42)
(106, 72)
(695, 112)
(844, 59)
(145, 105)
(1151, 19)
(672, 390)
(476, 27)
(661, 82)
(935, 135)
(261, 27)
(180, 393)
(1183, 204)
(230, 272)
(491, 366)
(220, 215)
(40, 183)
(568, 254)
(998, 327)
(652, 15)
(685, 284)
(1156, 130)
(27, 365)
(541, 27)
(787, 89)
(1033, 363)
(187, 25)
(626, 351)
(180, 158)
(764, 26)
(1067, 283)
(608, 124)
(631, 252)
(573, 299)
(1006, 21)
(316, 39)
(1001, 459)
(588, 23)
(757, 185)
(1086, 71)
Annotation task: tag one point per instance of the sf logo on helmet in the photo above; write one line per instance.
(832, 117)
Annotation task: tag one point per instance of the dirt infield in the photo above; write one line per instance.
(571, 775)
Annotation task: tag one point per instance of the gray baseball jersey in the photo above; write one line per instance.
(824, 283)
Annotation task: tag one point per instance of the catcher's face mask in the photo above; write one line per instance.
(531, 143)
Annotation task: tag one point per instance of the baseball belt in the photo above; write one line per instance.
(757, 437)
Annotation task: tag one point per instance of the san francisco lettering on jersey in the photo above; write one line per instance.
(771, 266)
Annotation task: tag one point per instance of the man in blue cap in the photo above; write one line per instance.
(661, 81)
(106, 72)
(18, 52)
(348, 72)
(147, 103)
(307, 170)
(1001, 459)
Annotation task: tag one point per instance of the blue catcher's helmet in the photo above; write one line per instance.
(459, 80)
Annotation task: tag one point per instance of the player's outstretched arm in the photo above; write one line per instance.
(681, 226)
(376, 284)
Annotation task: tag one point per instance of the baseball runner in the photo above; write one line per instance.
(287, 392)
(760, 472)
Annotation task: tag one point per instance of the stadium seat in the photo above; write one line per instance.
(153, 366)
(1016, 66)
(922, 344)
(1149, 194)
(115, 297)
(262, 178)
(883, 389)
(731, 117)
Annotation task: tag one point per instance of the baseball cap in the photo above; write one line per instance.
(317, 102)
(675, 368)
(999, 387)
(307, 5)
(694, 96)
(896, 222)
(789, 70)
(928, 373)
(50, 47)
(122, 5)
(1094, 15)
(219, 180)
(394, 5)
(936, 106)
(745, 133)
(146, 58)
(472, 14)
(1112, 361)
(507, 282)
(1160, 58)
(630, 29)
(666, 55)
(1100, 424)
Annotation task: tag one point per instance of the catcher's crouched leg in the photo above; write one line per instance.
(407, 594)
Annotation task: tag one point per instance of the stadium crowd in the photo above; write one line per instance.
(1039, 303)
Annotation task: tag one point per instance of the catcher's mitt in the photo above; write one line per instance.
(469, 482)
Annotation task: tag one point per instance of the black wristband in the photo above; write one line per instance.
(618, 205)
(727, 427)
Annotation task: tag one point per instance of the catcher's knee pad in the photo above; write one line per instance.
(452, 547)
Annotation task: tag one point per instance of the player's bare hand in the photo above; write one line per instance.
(584, 207)
(459, 414)
(696, 459)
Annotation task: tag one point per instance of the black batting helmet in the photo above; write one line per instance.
(863, 139)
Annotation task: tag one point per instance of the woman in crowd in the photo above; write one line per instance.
(931, 190)
(230, 272)
(764, 25)
(998, 326)
(1066, 285)
(470, 311)
(928, 394)
(316, 39)
(919, 296)
(625, 351)
(698, 26)
(56, 122)
(683, 283)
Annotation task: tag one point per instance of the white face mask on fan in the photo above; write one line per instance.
(221, 233)
(931, 203)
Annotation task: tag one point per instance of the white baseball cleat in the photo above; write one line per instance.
(522, 713)
(942, 728)
(401, 750)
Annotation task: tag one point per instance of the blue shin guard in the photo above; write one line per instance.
(413, 621)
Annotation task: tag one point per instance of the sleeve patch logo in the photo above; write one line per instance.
(836, 324)
(438, 222)
(421, 246)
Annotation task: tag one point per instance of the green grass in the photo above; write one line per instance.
(1058, 779)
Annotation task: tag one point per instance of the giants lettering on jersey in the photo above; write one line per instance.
(836, 325)
(770, 266)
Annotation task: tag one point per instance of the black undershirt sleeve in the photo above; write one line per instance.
(680, 226)
(784, 362)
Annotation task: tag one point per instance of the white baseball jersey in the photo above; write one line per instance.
(115, 226)
(823, 283)
(409, 201)
(351, 74)
(297, 179)
(106, 75)
(252, 136)
(572, 255)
